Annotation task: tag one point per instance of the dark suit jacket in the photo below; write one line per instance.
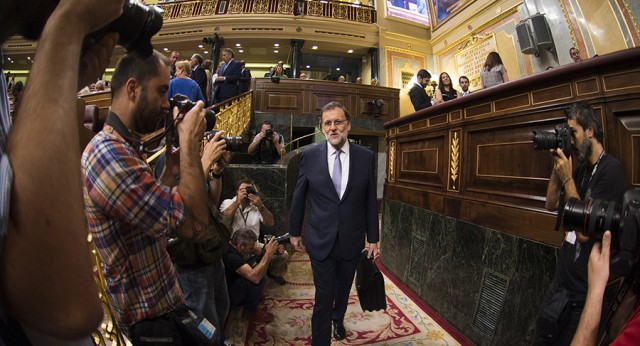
(419, 97)
(200, 76)
(245, 80)
(229, 88)
(353, 216)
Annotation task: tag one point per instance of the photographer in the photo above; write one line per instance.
(267, 146)
(246, 265)
(45, 270)
(587, 331)
(131, 214)
(200, 267)
(247, 210)
(599, 176)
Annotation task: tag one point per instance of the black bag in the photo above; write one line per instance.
(181, 326)
(370, 285)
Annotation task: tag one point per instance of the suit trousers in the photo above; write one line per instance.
(333, 278)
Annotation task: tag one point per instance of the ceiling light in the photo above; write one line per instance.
(337, 69)
(238, 44)
(276, 44)
(165, 49)
(276, 51)
(240, 50)
(314, 47)
(200, 46)
(308, 66)
(28, 58)
(206, 52)
(350, 51)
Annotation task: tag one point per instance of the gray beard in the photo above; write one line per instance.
(584, 151)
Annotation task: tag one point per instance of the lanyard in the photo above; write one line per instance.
(586, 193)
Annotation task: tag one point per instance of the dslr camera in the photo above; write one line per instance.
(184, 106)
(268, 133)
(251, 190)
(560, 138)
(136, 25)
(283, 239)
(594, 216)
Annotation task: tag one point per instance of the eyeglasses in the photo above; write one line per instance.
(338, 123)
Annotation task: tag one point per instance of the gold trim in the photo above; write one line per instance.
(392, 159)
(574, 38)
(551, 100)
(604, 84)
(455, 159)
(631, 17)
(420, 150)
(584, 80)
(401, 50)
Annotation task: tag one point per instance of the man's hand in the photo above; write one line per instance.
(297, 243)
(213, 151)
(599, 263)
(191, 128)
(562, 166)
(270, 248)
(95, 60)
(372, 251)
(256, 200)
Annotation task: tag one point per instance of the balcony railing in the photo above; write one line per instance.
(323, 9)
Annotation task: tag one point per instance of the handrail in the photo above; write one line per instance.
(297, 140)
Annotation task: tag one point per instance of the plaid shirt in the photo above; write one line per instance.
(130, 216)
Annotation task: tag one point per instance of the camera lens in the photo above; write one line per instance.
(233, 143)
(592, 218)
(137, 24)
(544, 140)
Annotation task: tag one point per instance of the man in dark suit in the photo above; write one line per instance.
(198, 73)
(338, 177)
(419, 97)
(245, 78)
(228, 77)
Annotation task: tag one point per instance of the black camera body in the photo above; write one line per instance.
(283, 239)
(184, 106)
(560, 138)
(233, 143)
(135, 26)
(593, 217)
(268, 133)
(251, 190)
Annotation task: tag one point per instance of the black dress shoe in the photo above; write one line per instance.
(339, 332)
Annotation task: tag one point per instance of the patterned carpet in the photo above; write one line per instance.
(403, 323)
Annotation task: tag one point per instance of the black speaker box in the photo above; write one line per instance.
(525, 38)
(541, 31)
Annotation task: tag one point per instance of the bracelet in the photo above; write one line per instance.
(566, 181)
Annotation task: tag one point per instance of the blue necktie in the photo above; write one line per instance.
(223, 68)
(337, 172)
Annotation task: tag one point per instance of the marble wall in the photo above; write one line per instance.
(445, 261)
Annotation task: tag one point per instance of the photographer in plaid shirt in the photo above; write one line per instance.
(130, 214)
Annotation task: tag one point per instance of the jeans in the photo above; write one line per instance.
(205, 290)
(245, 292)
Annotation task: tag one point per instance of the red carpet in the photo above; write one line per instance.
(405, 322)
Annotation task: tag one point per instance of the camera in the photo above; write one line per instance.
(136, 25)
(283, 239)
(594, 216)
(233, 143)
(184, 106)
(560, 138)
(251, 190)
(268, 133)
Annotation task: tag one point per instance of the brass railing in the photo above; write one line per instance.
(297, 140)
(325, 9)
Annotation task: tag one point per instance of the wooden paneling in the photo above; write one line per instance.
(483, 168)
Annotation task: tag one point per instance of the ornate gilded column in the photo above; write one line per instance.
(296, 57)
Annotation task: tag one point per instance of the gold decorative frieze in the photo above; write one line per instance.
(186, 10)
(392, 161)
(363, 15)
(340, 11)
(454, 161)
(315, 8)
(236, 6)
(567, 18)
(260, 6)
(285, 6)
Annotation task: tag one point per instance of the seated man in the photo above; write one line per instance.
(267, 146)
(246, 210)
(246, 266)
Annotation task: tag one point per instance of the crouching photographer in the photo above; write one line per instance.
(599, 176)
(131, 214)
(614, 262)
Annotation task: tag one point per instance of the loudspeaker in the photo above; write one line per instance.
(541, 31)
(525, 38)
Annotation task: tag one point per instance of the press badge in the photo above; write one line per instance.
(570, 237)
(207, 328)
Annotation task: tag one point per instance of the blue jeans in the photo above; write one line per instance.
(205, 290)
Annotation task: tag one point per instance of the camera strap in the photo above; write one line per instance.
(561, 203)
(134, 139)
